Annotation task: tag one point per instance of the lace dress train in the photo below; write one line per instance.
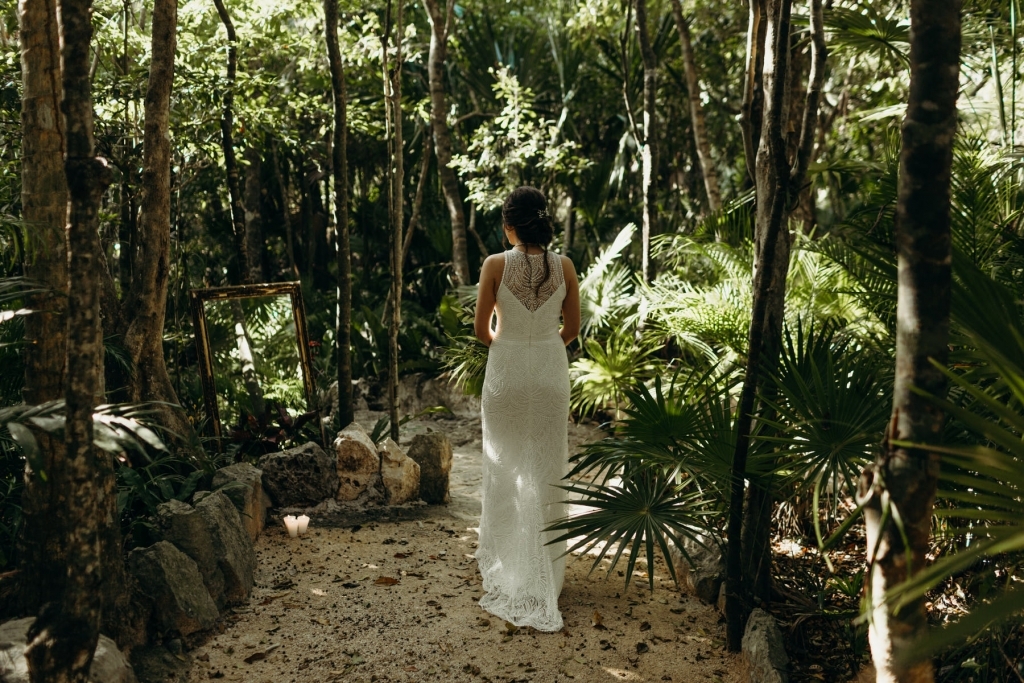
(525, 411)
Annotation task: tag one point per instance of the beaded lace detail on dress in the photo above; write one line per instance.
(523, 275)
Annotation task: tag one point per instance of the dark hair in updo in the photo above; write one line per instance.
(526, 210)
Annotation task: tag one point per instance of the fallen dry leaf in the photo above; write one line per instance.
(595, 621)
(255, 657)
(386, 581)
(402, 556)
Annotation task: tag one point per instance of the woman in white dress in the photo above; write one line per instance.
(525, 413)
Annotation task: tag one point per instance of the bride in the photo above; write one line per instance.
(525, 412)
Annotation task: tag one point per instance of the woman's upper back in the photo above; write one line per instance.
(530, 291)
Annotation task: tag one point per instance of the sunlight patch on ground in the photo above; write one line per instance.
(622, 674)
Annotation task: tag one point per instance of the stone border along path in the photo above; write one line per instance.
(389, 595)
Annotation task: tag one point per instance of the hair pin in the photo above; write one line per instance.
(543, 214)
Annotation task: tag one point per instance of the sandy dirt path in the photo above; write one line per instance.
(389, 594)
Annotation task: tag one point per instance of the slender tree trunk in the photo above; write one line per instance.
(393, 95)
(243, 344)
(343, 344)
(44, 209)
(253, 217)
(417, 204)
(439, 28)
(62, 640)
(227, 124)
(693, 91)
(753, 85)
(281, 186)
(649, 152)
(908, 475)
(772, 174)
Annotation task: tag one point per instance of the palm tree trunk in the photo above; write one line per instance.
(700, 133)
(227, 124)
(910, 475)
(753, 84)
(649, 152)
(439, 27)
(63, 639)
(44, 209)
(343, 330)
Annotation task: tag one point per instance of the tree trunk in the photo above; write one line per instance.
(700, 133)
(243, 344)
(649, 152)
(62, 640)
(343, 330)
(44, 209)
(227, 124)
(753, 84)
(146, 302)
(393, 95)
(417, 203)
(253, 222)
(772, 175)
(439, 27)
(749, 555)
(910, 476)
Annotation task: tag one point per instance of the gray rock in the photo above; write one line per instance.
(243, 484)
(357, 460)
(156, 664)
(299, 476)
(762, 644)
(399, 472)
(171, 579)
(182, 525)
(108, 664)
(433, 452)
(232, 546)
(705, 576)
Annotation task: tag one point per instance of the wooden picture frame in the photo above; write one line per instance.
(197, 300)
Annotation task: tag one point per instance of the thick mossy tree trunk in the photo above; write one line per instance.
(62, 640)
(649, 152)
(44, 197)
(909, 475)
(343, 330)
(396, 181)
(777, 181)
(440, 25)
(697, 118)
(227, 124)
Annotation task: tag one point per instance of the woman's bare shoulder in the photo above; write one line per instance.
(568, 267)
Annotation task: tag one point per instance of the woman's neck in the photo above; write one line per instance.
(527, 249)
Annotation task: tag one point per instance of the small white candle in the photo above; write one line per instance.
(303, 522)
(292, 525)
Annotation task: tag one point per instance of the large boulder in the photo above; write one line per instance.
(243, 484)
(181, 524)
(705, 575)
(299, 476)
(762, 644)
(108, 664)
(433, 452)
(232, 546)
(171, 580)
(358, 462)
(399, 472)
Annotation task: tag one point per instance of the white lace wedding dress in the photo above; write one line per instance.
(525, 412)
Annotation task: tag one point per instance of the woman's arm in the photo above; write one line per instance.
(487, 292)
(571, 305)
